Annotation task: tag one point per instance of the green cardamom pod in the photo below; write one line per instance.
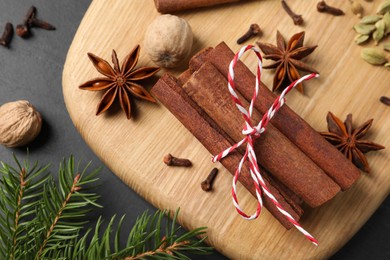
(364, 28)
(361, 38)
(384, 7)
(373, 56)
(386, 20)
(379, 32)
(370, 19)
(386, 46)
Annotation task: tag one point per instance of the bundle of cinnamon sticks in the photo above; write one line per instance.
(299, 166)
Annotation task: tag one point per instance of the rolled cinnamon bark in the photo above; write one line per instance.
(199, 58)
(184, 77)
(171, 6)
(173, 97)
(326, 156)
(291, 198)
(208, 88)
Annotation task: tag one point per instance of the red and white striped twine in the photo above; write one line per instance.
(253, 132)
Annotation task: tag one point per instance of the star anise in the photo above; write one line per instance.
(350, 141)
(287, 59)
(119, 81)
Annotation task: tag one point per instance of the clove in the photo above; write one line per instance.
(385, 100)
(254, 30)
(323, 7)
(207, 184)
(7, 35)
(173, 161)
(297, 18)
(30, 21)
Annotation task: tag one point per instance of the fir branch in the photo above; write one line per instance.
(63, 209)
(146, 240)
(42, 220)
(163, 249)
(18, 190)
(73, 189)
(22, 186)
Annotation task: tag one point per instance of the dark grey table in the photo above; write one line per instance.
(32, 70)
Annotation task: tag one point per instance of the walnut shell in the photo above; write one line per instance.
(168, 40)
(20, 123)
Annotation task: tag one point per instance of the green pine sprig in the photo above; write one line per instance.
(44, 219)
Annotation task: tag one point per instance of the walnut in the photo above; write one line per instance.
(20, 123)
(168, 40)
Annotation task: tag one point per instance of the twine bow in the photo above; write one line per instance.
(251, 134)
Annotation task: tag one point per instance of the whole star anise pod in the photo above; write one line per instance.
(119, 81)
(287, 59)
(350, 141)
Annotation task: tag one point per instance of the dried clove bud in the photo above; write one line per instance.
(297, 18)
(173, 161)
(385, 100)
(7, 35)
(207, 184)
(23, 31)
(322, 7)
(30, 21)
(254, 30)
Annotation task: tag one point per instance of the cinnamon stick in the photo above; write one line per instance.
(184, 77)
(208, 88)
(291, 198)
(173, 97)
(171, 6)
(199, 58)
(326, 156)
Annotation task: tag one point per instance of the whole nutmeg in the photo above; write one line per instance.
(168, 40)
(20, 123)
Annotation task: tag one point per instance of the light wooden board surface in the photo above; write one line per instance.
(133, 149)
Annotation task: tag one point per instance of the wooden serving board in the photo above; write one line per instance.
(133, 149)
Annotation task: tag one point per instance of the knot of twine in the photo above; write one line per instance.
(253, 132)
